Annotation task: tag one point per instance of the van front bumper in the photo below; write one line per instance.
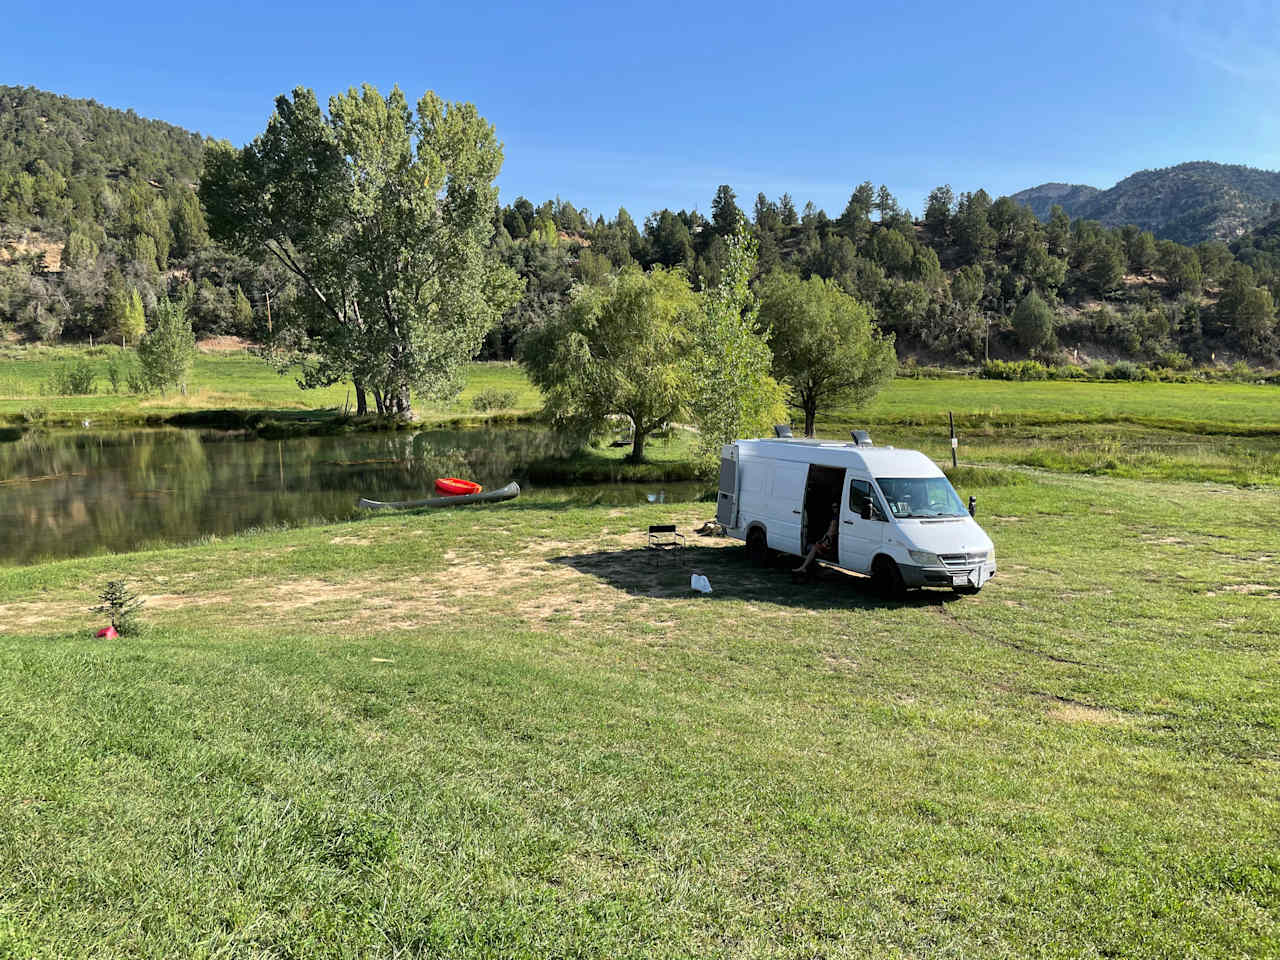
(974, 577)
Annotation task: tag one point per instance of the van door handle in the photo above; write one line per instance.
(795, 511)
(849, 522)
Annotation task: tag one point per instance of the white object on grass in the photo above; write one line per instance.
(699, 583)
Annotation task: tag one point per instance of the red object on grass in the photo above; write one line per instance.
(453, 487)
(108, 632)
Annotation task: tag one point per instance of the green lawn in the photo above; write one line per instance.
(508, 732)
(909, 400)
(234, 380)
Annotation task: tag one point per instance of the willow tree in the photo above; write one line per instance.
(384, 215)
(620, 349)
(826, 348)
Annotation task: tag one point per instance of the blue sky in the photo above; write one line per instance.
(650, 105)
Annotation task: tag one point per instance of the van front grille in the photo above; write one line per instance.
(962, 559)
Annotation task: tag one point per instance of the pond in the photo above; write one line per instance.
(65, 494)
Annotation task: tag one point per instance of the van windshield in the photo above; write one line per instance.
(921, 497)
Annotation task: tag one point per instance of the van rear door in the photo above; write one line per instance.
(727, 499)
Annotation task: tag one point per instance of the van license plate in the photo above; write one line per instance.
(960, 579)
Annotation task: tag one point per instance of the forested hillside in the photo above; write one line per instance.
(98, 204)
(974, 278)
(98, 211)
(1188, 203)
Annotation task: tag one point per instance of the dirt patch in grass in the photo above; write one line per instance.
(35, 613)
(223, 344)
(1071, 712)
(1262, 591)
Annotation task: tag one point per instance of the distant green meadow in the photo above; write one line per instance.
(235, 380)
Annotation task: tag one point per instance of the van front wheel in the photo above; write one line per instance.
(887, 578)
(758, 548)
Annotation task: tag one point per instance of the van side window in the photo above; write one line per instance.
(860, 493)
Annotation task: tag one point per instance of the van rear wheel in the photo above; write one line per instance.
(758, 552)
(887, 578)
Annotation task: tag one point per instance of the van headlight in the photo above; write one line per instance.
(925, 558)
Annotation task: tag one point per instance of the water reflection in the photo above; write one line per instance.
(71, 494)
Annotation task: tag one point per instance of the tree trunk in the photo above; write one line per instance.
(398, 404)
(637, 447)
(377, 398)
(810, 414)
(362, 402)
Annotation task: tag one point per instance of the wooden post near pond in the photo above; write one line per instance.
(952, 421)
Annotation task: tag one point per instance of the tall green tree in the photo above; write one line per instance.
(937, 213)
(383, 215)
(167, 350)
(826, 348)
(1033, 322)
(733, 393)
(621, 348)
(725, 215)
(126, 320)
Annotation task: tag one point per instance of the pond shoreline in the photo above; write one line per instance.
(265, 423)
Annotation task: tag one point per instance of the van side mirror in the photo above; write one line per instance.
(865, 513)
(973, 506)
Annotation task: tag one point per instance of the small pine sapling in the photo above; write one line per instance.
(121, 605)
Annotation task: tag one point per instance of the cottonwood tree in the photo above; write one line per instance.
(826, 349)
(733, 394)
(384, 215)
(621, 348)
(125, 317)
(168, 349)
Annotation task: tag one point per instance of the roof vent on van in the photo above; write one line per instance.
(861, 438)
(782, 430)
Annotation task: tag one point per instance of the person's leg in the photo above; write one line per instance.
(808, 559)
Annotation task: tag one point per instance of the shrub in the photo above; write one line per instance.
(492, 398)
(1172, 360)
(1128, 370)
(72, 379)
(1066, 371)
(122, 370)
(1014, 370)
(1098, 370)
(1240, 370)
(121, 605)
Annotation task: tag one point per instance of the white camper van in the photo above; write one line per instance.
(901, 521)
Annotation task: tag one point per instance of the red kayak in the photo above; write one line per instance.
(453, 487)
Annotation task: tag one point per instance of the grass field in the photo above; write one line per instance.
(509, 732)
(229, 380)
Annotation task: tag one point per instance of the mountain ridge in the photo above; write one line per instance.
(1188, 202)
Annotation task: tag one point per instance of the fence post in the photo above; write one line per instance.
(952, 421)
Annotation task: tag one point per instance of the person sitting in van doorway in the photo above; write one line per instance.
(826, 545)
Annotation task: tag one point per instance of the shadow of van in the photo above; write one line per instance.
(642, 572)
